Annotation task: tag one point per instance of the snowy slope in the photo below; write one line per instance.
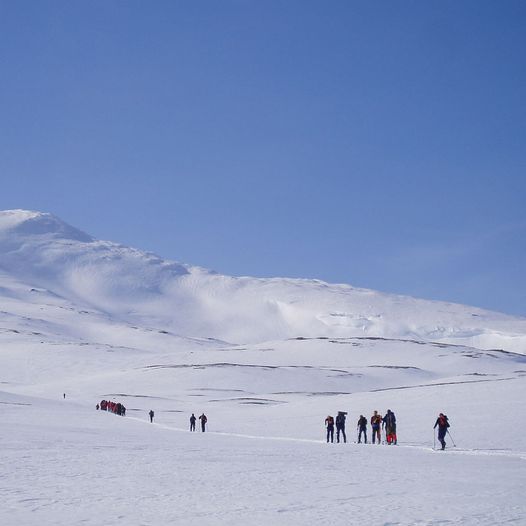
(266, 360)
(40, 251)
(70, 465)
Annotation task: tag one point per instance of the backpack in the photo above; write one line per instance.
(443, 421)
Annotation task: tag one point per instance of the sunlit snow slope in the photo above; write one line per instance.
(45, 261)
(266, 360)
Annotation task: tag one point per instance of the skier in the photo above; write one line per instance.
(362, 428)
(340, 426)
(204, 420)
(151, 413)
(376, 422)
(442, 423)
(389, 421)
(192, 422)
(329, 424)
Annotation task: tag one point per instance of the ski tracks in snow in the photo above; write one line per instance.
(421, 447)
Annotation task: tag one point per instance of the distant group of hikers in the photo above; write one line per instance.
(119, 409)
(113, 407)
(193, 420)
(388, 423)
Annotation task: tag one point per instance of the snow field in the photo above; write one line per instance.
(73, 465)
(267, 360)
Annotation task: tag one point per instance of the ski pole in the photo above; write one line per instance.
(454, 445)
(434, 440)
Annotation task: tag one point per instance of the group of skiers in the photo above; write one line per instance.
(388, 423)
(119, 409)
(203, 420)
(113, 407)
(378, 423)
(193, 420)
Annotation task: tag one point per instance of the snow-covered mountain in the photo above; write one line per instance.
(266, 360)
(53, 260)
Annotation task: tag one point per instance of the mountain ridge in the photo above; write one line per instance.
(139, 287)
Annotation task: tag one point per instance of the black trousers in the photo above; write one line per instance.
(192, 426)
(330, 433)
(342, 430)
(441, 436)
(364, 431)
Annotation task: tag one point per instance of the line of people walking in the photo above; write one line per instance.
(113, 407)
(387, 424)
(203, 419)
(378, 423)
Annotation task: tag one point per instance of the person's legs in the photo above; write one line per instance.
(441, 437)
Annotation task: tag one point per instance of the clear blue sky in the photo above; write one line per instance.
(380, 144)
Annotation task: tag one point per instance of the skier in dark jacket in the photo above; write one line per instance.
(340, 426)
(362, 428)
(442, 423)
(192, 422)
(151, 413)
(329, 424)
(389, 422)
(204, 420)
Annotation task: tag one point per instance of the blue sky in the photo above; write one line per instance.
(380, 144)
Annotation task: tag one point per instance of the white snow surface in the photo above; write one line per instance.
(267, 360)
(132, 286)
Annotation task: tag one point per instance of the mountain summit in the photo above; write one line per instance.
(128, 285)
(28, 223)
